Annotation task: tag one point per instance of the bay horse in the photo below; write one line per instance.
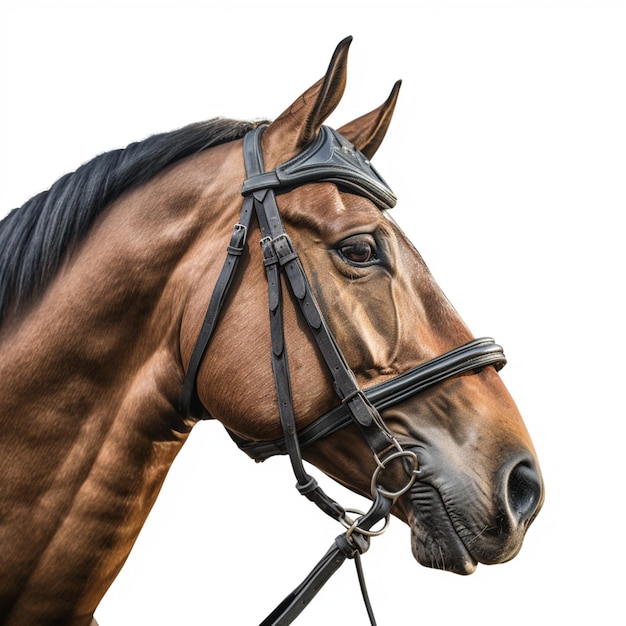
(132, 306)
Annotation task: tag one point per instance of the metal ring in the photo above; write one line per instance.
(381, 465)
(367, 533)
(348, 523)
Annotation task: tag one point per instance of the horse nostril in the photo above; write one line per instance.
(524, 491)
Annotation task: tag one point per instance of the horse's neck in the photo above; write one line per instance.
(88, 422)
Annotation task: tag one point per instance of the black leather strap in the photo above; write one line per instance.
(272, 229)
(189, 403)
(353, 399)
(293, 604)
(356, 404)
(279, 254)
(306, 484)
(470, 357)
(329, 158)
(289, 609)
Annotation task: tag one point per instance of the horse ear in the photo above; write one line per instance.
(368, 131)
(299, 124)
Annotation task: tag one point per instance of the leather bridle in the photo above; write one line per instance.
(330, 158)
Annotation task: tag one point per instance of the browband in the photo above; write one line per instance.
(329, 158)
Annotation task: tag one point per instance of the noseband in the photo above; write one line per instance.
(330, 158)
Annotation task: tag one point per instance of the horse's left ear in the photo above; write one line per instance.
(368, 131)
(297, 126)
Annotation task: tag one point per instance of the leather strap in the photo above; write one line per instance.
(353, 399)
(306, 484)
(470, 357)
(329, 158)
(279, 254)
(356, 404)
(289, 609)
(189, 403)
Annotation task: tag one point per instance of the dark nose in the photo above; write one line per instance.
(524, 492)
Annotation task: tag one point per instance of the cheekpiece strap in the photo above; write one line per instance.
(356, 404)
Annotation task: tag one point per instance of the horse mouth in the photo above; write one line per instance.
(436, 541)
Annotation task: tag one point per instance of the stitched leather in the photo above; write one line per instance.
(470, 357)
(330, 158)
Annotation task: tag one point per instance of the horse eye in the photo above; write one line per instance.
(360, 251)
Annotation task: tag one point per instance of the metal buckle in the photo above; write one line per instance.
(269, 255)
(284, 249)
(238, 239)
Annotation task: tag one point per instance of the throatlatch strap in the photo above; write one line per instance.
(189, 403)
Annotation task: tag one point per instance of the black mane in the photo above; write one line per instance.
(36, 238)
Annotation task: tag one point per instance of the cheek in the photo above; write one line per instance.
(311, 381)
(236, 380)
(235, 374)
(363, 317)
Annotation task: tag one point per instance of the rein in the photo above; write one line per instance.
(330, 158)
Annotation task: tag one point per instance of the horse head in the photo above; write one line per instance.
(478, 486)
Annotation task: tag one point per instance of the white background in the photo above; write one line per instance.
(508, 154)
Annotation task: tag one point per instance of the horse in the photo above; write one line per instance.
(133, 305)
